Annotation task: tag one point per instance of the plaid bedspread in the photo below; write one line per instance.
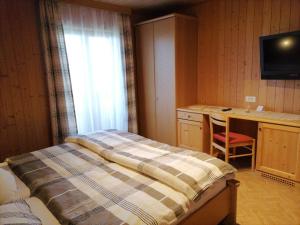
(17, 213)
(114, 178)
(80, 187)
(187, 171)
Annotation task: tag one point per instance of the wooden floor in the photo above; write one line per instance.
(263, 201)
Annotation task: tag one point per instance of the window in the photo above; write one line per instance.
(94, 49)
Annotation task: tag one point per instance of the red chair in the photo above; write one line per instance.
(226, 141)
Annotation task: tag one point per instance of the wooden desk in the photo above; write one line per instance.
(278, 136)
(238, 113)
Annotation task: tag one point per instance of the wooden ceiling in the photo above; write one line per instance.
(147, 4)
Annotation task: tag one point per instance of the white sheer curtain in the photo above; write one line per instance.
(94, 49)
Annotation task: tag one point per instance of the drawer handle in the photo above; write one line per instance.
(189, 116)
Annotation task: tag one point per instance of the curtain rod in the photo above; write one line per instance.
(100, 5)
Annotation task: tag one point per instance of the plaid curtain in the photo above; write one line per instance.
(130, 73)
(63, 120)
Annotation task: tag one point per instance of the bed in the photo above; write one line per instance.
(113, 177)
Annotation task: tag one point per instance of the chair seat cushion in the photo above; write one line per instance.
(234, 138)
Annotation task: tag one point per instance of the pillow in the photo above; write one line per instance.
(17, 213)
(8, 187)
(38, 208)
(11, 188)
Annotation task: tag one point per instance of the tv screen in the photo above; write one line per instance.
(280, 56)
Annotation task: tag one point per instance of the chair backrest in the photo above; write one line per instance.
(218, 119)
(221, 121)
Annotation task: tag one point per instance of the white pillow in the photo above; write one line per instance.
(17, 213)
(38, 208)
(8, 186)
(22, 191)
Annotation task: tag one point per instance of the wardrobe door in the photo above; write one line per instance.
(146, 80)
(164, 61)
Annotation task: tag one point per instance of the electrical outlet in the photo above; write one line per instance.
(250, 99)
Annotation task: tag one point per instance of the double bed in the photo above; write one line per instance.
(113, 177)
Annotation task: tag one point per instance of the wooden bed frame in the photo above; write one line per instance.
(219, 209)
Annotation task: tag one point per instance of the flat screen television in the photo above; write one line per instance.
(280, 56)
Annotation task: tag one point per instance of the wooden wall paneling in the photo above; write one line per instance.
(208, 35)
(146, 83)
(30, 89)
(27, 84)
(21, 83)
(24, 109)
(186, 61)
(203, 55)
(210, 79)
(37, 90)
(257, 31)
(289, 85)
(241, 53)
(211, 52)
(14, 88)
(285, 9)
(275, 22)
(164, 67)
(197, 9)
(221, 52)
(295, 25)
(234, 52)
(267, 13)
(7, 120)
(235, 63)
(3, 81)
(249, 48)
(228, 33)
(214, 51)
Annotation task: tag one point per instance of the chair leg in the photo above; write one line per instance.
(227, 155)
(211, 149)
(253, 156)
(234, 152)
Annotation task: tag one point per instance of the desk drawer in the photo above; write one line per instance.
(190, 116)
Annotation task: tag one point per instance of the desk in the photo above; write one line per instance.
(278, 136)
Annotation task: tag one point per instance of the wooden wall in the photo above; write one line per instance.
(228, 59)
(24, 110)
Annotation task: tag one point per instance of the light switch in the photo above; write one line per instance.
(250, 99)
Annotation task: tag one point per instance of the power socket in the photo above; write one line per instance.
(250, 99)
